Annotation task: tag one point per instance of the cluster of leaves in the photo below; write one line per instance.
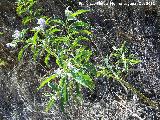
(117, 66)
(26, 9)
(63, 40)
(119, 62)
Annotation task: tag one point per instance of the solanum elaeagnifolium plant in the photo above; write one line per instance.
(116, 66)
(61, 40)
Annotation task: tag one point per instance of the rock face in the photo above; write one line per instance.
(138, 25)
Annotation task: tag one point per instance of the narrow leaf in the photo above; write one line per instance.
(50, 104)
(135, 61)
(78, 12)
(44, 82)
(47, 59)
(58, 21)
(20, 54)
(78, 92)
(64, 93)
(35, 38)
(83, 79)
(53, 86)
(80, 23)
(86, 32)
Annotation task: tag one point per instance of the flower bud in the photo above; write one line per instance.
(16, 34)
(42, 23)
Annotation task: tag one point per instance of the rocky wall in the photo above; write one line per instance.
(138, 25)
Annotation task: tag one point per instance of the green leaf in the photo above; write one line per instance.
(63, 92)
(83, 79)
(53, 86)
(26, 20)
(50, 104)
(61, 39)
(82, 38)
(78, 39)
(35, 51)
(82, 54)
(90, 67)
(79, 24)
(86, 32)
(36, 54)
(73, 32)
(55, 30)
(2, 62)
(35, 37)
(44, 82)
(58, 21)
(61, 59)
(62, 104)
(47, 59)
(77, 27)
(52, 52)
(47, 20)
(78, 12)
(135, 61)
(78, 92)
(20, 54)
(1, 33)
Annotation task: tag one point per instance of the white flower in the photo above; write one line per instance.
(70, 66)
(13, 45)
(69, 76)
(80, 3)
(17, 34)
(68, 14)
(41, 22)
(38, 28)
(58, 71)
